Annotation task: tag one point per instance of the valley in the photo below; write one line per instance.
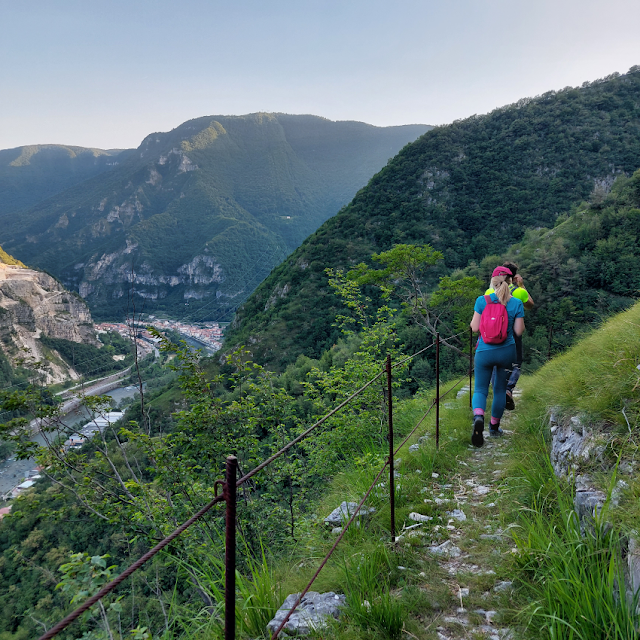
(272, 288)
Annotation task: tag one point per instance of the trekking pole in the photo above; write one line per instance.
(470, 367)
(437, 390)
(392, 487)
(230, 492)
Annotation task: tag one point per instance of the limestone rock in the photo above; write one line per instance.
(447, 549)
(418, 517)
(633, 566)
(588, 503)
(458, 514)
(571, 442)
(313, 612)
(340, 515)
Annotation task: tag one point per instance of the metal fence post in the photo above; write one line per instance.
(470, 368)
(437, 390)
(392, 484)
(230, 550)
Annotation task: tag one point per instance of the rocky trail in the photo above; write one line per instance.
(474, 547)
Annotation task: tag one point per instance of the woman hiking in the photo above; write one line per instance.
(498, 316)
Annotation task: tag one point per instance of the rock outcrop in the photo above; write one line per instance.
(573, 444)
(313, 612)
(33, 304)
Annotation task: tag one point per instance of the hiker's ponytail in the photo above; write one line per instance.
(500, 284)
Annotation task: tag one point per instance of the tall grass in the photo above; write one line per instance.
(370, 604)
(258, 597)
(573, 575)
(598, 377)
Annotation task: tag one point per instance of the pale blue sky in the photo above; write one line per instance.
(105, 74)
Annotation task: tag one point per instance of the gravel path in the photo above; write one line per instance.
(474, 551)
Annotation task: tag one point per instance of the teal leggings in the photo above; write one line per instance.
(502, 358)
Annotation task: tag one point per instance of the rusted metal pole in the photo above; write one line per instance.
(230, 550)
(392, 484)
(470, 368)
(437, 390)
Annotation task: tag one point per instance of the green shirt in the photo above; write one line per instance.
(516, 292)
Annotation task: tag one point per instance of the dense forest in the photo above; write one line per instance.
(470, 189)
(31, 174)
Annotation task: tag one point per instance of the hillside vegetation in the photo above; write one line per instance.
(200, 215)
(582, 271)
(469, 189)
(488, 542)
(5, 258)
(577, 577)
(31, 174)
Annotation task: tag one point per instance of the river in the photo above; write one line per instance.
(13, 472)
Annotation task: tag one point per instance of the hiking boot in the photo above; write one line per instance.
(510, 404)
(477, 439)
(495, 430)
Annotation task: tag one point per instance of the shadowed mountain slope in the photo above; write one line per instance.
(201, 214)
(470, 189)
(34, 173)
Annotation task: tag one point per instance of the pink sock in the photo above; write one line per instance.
(478, 412)
(495, 420)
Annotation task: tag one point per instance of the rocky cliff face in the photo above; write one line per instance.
(33, 304)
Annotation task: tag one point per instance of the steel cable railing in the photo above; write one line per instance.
(357, 510)
(161, 545)
(231, 521)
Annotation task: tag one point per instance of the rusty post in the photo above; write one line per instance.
(437, 390)
(392, 484)
(470, 368)
(230, 550)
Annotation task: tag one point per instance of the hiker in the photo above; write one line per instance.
(517, 291)
(503, 318)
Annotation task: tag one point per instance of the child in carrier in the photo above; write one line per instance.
(497, 317)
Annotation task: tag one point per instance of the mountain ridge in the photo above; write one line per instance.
(203, 211)
(32, 173)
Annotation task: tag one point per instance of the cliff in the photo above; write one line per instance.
(33, 304)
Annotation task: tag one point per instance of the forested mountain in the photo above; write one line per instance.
(34, 173)
(469, 189)
(201, 214)
(580, 272)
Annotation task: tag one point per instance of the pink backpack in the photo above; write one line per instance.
(494, 322)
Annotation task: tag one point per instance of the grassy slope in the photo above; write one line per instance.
(576, 580)
(5, 258)
(470, 188)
